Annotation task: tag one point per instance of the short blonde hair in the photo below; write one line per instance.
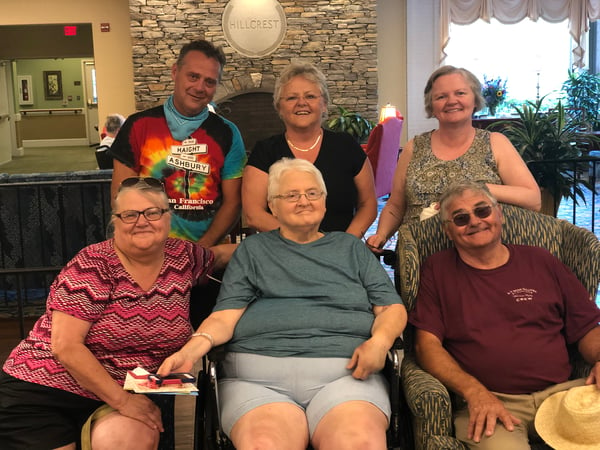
(305, 70)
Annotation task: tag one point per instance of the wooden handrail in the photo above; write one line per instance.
(24, 112)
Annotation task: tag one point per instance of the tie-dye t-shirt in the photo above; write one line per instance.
(192, 170)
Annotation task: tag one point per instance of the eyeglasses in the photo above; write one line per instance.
(462, 219)
(151, 214)
(309, 98)
(153, 183)
(294, 197)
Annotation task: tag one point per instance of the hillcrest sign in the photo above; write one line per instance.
(254, 28)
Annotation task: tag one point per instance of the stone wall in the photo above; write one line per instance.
(340, 36)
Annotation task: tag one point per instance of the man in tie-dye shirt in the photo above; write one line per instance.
(197, 154)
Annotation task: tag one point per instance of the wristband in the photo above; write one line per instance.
(206, 336)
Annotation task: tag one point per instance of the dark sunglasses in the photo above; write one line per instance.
(154, 183)
(462, 219)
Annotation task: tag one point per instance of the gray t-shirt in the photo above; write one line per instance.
(304, 300)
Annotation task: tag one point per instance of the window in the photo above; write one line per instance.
(534, 57)
(94, 87)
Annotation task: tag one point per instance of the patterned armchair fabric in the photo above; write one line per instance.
(429, 401)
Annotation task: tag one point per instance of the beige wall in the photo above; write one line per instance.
(112, 50)
(391, 58)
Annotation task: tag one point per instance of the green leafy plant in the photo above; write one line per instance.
(545, 136)
(352, 123)
(582, 91)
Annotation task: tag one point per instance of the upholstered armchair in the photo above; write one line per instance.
(429, 401)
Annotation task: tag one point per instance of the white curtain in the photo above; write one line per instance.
(579, 13)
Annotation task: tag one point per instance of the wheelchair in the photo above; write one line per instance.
(209, 435)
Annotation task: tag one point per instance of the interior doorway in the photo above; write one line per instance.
(29, 51)
(8, 138)
(90, 94)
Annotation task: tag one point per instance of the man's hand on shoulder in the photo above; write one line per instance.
(485, 409)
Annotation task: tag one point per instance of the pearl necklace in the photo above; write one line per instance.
(305, 149)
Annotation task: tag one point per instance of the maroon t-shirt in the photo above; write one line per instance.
(508, 327)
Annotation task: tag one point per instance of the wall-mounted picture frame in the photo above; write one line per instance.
(53, 85)
(25, 89)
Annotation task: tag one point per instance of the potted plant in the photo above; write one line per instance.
(352, 123)
(544, 139)
(582, 90)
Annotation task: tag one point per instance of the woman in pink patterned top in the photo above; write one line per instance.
(116, 305)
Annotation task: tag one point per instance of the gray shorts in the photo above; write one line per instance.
(314, 384)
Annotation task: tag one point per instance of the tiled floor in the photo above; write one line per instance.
(587, 213)
(52, 159)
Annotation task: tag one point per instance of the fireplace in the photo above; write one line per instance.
(254, 115)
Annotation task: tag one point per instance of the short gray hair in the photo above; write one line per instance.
(147, 191)
(114, 122)
(284, 165)
(303, 69)
(457, 189)
(471, 80)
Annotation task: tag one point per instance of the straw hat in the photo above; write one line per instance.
(570, 420)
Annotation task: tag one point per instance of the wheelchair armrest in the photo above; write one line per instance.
(399, 419)
(216, 354)
(208, 416)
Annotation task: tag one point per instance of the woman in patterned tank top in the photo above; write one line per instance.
(455, 152)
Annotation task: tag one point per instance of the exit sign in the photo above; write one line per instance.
(70, 30)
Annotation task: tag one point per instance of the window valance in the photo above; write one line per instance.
(579, 13)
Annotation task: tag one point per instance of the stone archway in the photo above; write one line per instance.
(252, 111)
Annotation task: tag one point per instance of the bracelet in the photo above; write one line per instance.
(205, 335)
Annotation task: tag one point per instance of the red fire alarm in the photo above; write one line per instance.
(70, 30)
(105, 27)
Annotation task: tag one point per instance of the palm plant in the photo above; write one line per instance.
(582, 90)
(546, 138)
(352, 123)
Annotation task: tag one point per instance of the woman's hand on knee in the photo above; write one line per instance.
(141, 408)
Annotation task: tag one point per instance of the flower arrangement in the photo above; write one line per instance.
(494, 92)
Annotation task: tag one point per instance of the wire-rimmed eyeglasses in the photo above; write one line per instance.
(151, 214)
(293, 197)
(308, 98)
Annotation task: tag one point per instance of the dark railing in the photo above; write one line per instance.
(45, 219)
(585, 211)
(30, 301)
